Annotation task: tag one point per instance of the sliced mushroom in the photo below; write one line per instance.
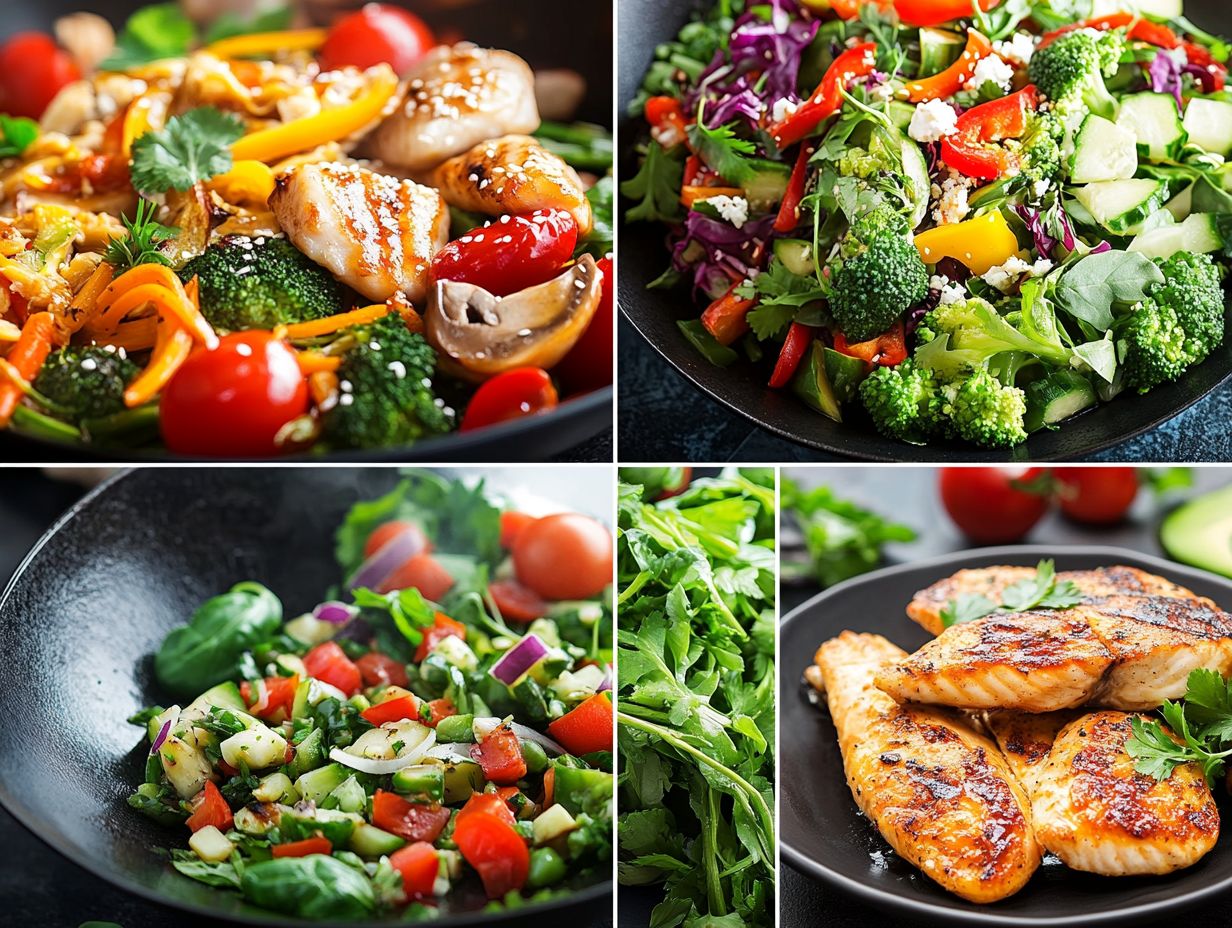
(481, 335)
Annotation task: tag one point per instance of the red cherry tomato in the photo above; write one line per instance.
(588, 365)
(564, 556)
(376, 33)
(232, 401)
(328, 662)
(414, 821)
(423, 572)
(511, 253)
(378, 669)
(1095, 495)
(987, 507)
(419, 864)
(511, 526)
(523, 391)
(500, 756)
(516, 602)
(387, 531)
(33, 69)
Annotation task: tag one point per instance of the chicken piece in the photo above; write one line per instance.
(373, 232)
(1095, 812)
(940, 793)
(457, 96)
(1025, 739)
(513, 174)
(1031, 661)
(926, 607)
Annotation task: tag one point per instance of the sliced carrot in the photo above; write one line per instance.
(85, 301)
(171, 350)
(331, 324)
(158, 285)
(27, 357)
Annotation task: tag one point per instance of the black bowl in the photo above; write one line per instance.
(83, 614)
(824, 835)
(644, 24)
(548, 34)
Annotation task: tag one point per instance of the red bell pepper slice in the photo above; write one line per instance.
(887, 349)
(725, 317)
(1143, 30)
(826, 100)
(795, 346)
(587, 728)
(443, 627)
(936, 12)
(415, 821)
(317, 845)
(419, 865)
(500, 756)
(484, 832)
(955, 77)
(789, 210)
(211, 809)
(666, 117)
(970, 148)
(393, 710)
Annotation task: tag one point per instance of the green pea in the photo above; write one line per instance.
(456, 729)
(546, 867)
(534, 755)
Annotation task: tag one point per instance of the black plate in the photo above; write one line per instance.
(742, 387)
(823, 834)
(94, 599)
(548, 34)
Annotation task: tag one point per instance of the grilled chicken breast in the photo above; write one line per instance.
(512, 174)
(457, 96)
(1031, 661)
(373, 232)
(926, 607)
(1095, 812)
(939, 792)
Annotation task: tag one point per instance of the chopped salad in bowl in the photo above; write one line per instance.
(442, 724)
(957, 221)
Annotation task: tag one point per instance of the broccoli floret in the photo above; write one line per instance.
(259, 283)
(1070, 71)
(1179, 323)
(988, 413)
(901, 401)
(85, 382)
(386, 393)
(880, 278)
(1039, 150)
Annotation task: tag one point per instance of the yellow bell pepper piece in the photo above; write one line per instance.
(330, 125)
(979, 243)
(247, 183)
(264, 43)
(147, 112)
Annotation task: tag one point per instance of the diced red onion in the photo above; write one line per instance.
(334, 612)
(529, 734)
(389, 557)
(606, 685)
(162, 736)
(515, 662)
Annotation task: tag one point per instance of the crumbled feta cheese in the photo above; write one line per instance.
(1041, 267)
(782, 109)
(951, 198)
(667, 135)
(1040, 187)
(1018, 48)
(932, 121)
(951, 291)
(991, 70)
(883, 92)
(1005, 276)
(734, 209)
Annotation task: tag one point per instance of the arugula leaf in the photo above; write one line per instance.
(723, 151)
(1039, 591)
(17, 133)
(154, 32)
(656, 185)
(193, 147)
(140, 245)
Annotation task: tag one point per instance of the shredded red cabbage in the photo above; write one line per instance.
(1101, 248)
(1047, 234)
(1202, 75)
(728, 251)
(1164, 75)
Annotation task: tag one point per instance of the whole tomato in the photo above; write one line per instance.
(375, 33)
(1095, 495)
(990, 504)
(33, 69)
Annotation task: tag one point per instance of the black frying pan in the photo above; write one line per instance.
(548, 34)
(83, 614)
(742, 387)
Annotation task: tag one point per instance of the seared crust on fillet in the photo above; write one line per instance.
(1095, 812)
(1026, 738)
(1032, 661)
(926, 607)
(940, 793)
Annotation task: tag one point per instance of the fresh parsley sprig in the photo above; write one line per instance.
(1042, 591)
(17, 133)
(141, 244)
(722, 150)
(656, 185)
(194, 146)
(1201, 730)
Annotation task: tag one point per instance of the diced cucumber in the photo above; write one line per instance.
(1199, 234)
(1209, 124)
(251, 822)
(422, 782)
(456, 728)
(1055, 398)
(276, 787)
(811, 384)
(311, 693)
(918, 183)
(210, 844)
(796, 255)
(552, 823)
(348, 796)
(1163, 9)
(310, 630)
(765, 189)
(1103, 151)
(1119, 205)
(256, 748)
(900, 114)
(939, 48)
(461, 781)
(300, 823)
(291, 665)
(315, 785)
(1181, 205)
(185, 766)
(1155, 122)
(223, 696)
(370, 841)
(309, 754)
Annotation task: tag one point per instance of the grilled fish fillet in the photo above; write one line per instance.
(512, 174)
(374, 232)
(940, 793)
(1025, 739)
(1094, 811)
(457, 96)
(1031, 661)
(926, 607)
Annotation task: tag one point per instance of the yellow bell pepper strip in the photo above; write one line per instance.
(313, 362)
(955, 77)
(248, 182)
(146, 113)
(331, 324)
(327, 126)
(979, 243)
(826, 100)
(263, 44)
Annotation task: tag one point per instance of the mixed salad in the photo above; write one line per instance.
(961, 220)
(442, 726)
(242, 238)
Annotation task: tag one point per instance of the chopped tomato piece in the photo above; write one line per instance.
(487, 804)
(328, 662)
(437, 709)
(387, 531)
(587, 728)
(511, 525)
(211, 809)
(443, 627)
(414, 821)
(317, 845)
(276, 700)
(485, 834)
(423, 572)
(419, 865)
(393, 710)
(379, 669)
(517, 602)
(500, 756)
(666, 118)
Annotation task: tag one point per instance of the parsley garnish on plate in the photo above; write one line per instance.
(1201, 730)
(1042, 591)
(656, 185)
(17, 133)
(140, 245)
(193, 147)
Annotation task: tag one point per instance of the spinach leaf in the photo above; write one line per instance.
(309, 887)
(208, 649)
(1093, 284)
(223, 874)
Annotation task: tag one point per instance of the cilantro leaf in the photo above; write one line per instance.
(193, 147)
(17, 133)
(723, 152)
(656, 185)
(154, 32)
(770, 321)
(779, 286)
